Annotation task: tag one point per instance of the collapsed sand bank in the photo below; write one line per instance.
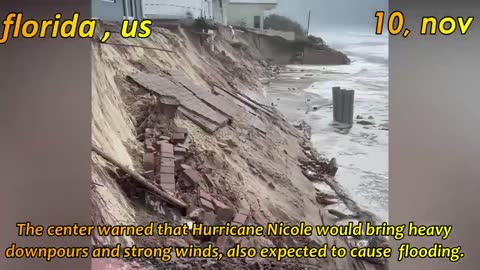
(280, 51)
(247, 167)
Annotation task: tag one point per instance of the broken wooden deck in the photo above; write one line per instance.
(207, 110)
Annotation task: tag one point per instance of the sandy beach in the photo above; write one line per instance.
(286, 93)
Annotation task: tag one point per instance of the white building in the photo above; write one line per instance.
(247, 13)
(219, 12)
(177, 9)
(117, 10)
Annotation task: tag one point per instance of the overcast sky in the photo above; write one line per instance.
(330, 14)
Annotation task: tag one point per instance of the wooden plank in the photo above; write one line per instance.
(222, 103)
(193, 108)
(141, 180)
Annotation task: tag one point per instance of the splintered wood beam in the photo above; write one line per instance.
(141, 180)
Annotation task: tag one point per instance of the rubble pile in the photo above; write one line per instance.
(207, 148)
(170, 162)
(166, 150)
(314, 167)
(200, 264)
(320, 170)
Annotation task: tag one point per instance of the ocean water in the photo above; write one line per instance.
(362, 153)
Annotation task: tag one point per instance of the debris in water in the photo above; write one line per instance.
(365, 122)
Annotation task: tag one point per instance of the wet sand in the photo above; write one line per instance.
(287, 95)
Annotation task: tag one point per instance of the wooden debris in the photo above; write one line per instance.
(332, 167)
(141, 180)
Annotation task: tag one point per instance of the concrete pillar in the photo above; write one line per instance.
(336, 103)
(343, 105)
(347, 115)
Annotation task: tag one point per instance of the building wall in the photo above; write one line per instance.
(217, 11)
(245, 12)
(113, 10)
(108, 10)
(176, 9)
(139, 10)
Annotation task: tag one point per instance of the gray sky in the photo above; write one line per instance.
(331, 14)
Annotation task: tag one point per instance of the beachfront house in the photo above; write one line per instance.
(247, 13)
(219, 11)
(177, 9)
(117, 10)
(166, 11)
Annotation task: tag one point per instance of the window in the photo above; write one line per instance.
(129, 9)
(256, 22)
(132, 8)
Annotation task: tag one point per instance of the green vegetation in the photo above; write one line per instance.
(310, 41)
(316, 40)
(201, 24)
(282, 23)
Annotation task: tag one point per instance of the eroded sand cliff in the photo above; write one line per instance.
(253, 162)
